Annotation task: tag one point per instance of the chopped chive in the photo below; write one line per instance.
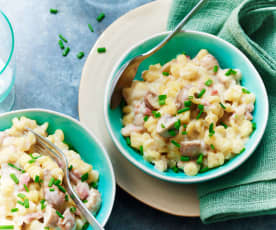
(163, 126)
(156, 114)
(242, 150)
(70, 168)
(43, 206)
(101, 50)
(245, 91)
(57, 182)
(222, 105)
(172, 132)
(200, 159)
(215, 69)
(177, 124)
(47, 228)
(175, 169)
(200, 107)
(162, 99)
(187, 103)
(175, 143)
(201, 93)
(21, 195)
(26, 203)
(6, 227)
(100, 17)
(185, 125)
(73, 209)
(183, 110)
(184, 133)
(61, 188)
(53, 11)
(128, 140)
(184, 158)
(199, 114)
(90, 27)
(94, 184)
(26, 188)
(146, 118)
(59, 214)
(166, 73)
(60, 43)
(202, 170)
(31, 161)
(254, 126)
(51, 182)
(20, 202)
(208, 82)
(211, 130)
(141, 149)
(14, 178)
(85, 201)
(224, 125)
(80, 55)
(37, 179)
(14, 209)
(190, 97)
(66, 197)
(19, 169)
(51, 189)
(66, 51)
(230, 71)
(84, 177)
(85, 226)
(35, 158)
(212, 146)
(62, 38)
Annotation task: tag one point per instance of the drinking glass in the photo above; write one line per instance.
(7, 64)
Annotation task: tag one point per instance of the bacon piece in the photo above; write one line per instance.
(55, 198)
(127, 130)
(82, 190)
(191, 148)
(68, 221)
(151, 101)
(24, 179)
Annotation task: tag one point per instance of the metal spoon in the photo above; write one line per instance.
(127, 72)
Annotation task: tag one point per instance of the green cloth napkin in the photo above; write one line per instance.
(250, 25)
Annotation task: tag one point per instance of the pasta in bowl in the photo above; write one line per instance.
(32, 194)
(188, 114)
(194, 116)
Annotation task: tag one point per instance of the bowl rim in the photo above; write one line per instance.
(188, 180)
(113, 180)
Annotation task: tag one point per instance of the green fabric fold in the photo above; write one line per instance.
(250, 25)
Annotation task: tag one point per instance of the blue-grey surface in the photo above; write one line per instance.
(45, 79)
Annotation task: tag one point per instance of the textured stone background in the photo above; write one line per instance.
(45, 79)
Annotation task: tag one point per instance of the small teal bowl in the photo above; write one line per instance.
(191, 43)
(85, 143)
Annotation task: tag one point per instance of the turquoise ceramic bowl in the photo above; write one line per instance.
(84, 141)
(190, 42)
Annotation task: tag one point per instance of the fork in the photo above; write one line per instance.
(46, 147)
(127, 72)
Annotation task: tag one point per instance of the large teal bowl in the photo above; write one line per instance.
(85, 143)
(190, 42)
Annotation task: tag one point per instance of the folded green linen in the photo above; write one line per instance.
(250, 25)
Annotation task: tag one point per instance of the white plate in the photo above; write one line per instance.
(136, 25)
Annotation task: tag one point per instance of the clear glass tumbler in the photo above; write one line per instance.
(7, 64)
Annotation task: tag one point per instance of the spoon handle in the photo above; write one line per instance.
(177, 29)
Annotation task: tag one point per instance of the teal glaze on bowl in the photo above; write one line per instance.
(84, 142)
(191, 43)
